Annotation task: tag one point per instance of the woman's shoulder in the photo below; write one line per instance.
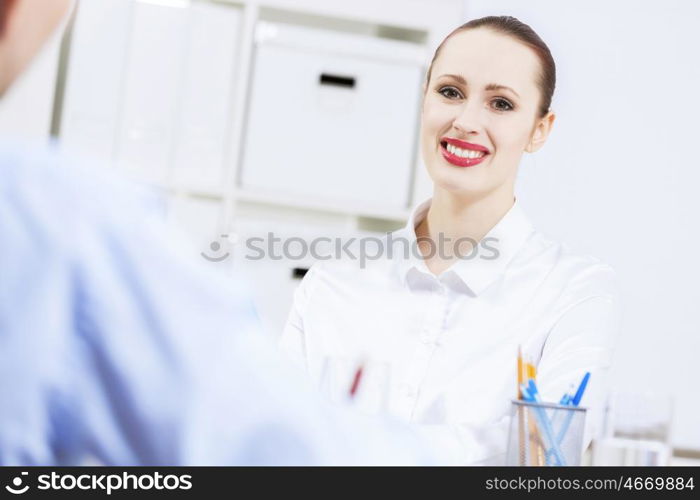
(580, 273)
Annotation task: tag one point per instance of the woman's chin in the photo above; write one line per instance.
(457, 180)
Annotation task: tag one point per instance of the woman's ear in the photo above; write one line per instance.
(541, 132)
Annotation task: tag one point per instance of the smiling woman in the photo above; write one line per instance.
(486, 101)
(447, 320)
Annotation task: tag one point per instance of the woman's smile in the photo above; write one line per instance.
(461, 153)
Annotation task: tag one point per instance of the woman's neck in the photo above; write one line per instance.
(452, 217)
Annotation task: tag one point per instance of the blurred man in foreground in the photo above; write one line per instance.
(115, 349)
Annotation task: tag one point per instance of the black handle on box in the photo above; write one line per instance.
(299, 272)
(337, 80)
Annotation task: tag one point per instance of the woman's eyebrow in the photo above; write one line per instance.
(495, 86)
(490, 86)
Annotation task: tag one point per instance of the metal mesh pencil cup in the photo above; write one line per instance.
(544, 434)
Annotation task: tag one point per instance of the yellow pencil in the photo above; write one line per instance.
(521, 412)
(536, 450)
(531, 371)
(520, 372)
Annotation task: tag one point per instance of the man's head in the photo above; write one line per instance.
(24, 27)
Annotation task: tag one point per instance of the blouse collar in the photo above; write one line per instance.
(504, 241)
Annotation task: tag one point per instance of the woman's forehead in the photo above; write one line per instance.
(481, 56)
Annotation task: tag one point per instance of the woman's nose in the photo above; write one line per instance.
(469, 118)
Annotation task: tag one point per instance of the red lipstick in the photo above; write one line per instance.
(459, 160)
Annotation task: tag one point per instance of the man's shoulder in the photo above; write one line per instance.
(44, 182)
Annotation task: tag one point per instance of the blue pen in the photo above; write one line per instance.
(533, 389)
(581, 389)
(574, 402)
(530, 394)
(566, 398)
(558, 415)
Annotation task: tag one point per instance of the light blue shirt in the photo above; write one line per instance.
(114, 348)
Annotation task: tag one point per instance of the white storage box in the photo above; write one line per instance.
(149, 86)
(332, 117)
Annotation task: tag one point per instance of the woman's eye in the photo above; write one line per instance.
(502, 105)
(450, 92)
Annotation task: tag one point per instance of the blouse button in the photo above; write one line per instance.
(426, 338)
(408, 391)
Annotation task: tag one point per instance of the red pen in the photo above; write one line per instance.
(356, 381)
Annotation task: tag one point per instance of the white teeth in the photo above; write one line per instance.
(464, 153)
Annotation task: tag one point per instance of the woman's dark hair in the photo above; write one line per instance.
(521, 32)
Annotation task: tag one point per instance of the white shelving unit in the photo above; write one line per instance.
(158, 87)
(129, 60)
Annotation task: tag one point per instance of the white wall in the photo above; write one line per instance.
(619, 176)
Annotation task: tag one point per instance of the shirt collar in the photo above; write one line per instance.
(506, 238)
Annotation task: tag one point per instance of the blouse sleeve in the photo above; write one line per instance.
(582, 340)
(292, 342)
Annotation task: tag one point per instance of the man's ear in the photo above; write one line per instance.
(28, 24)
(541, 132)
(5, 7)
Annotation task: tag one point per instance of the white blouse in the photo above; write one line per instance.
(445, 347)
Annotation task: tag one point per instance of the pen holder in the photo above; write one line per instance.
(545, 434)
